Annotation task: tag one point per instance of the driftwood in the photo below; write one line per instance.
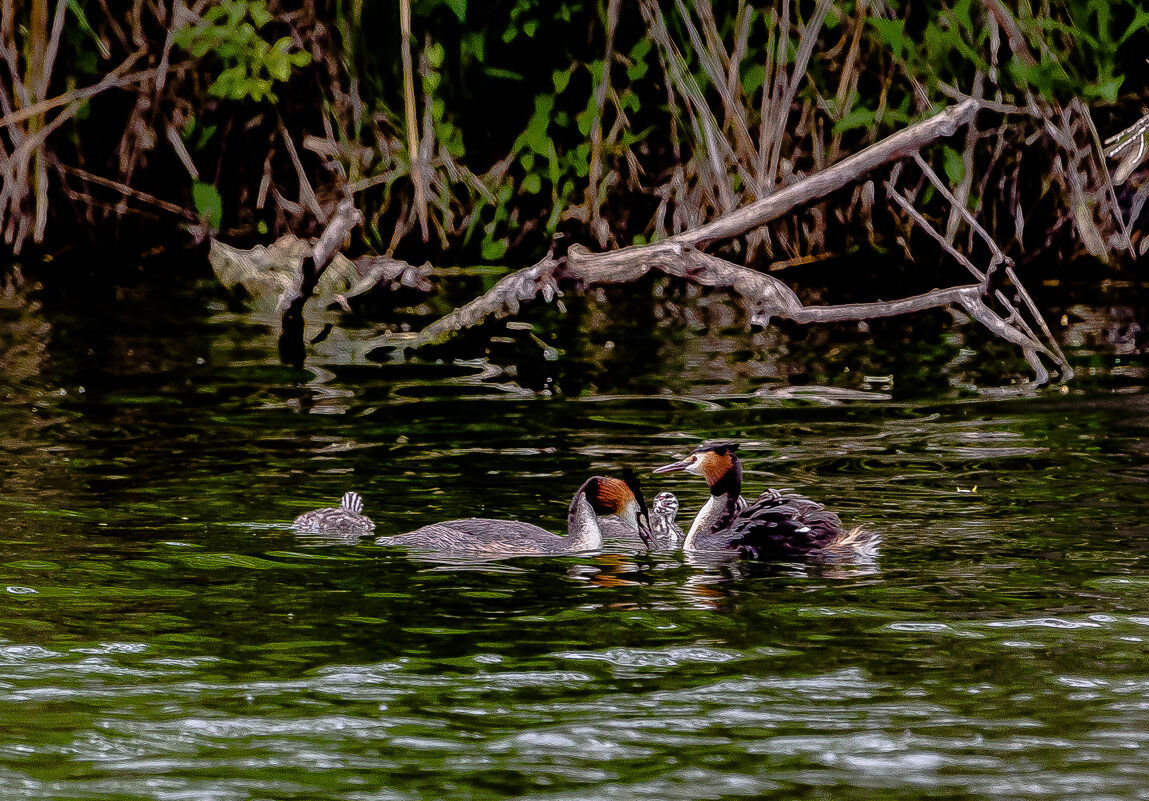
(765, 296)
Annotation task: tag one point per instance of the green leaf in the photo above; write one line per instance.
(954, 166)
(494, 249)
(753, 78)
(259, 13)
(458, 6)
(561, 78)
(1140, 21)
(580, 159)
(474, 44)
(532, 184)
(277, 65)
(208, 203)
(962, 13)
(224, 84)
(510, 75)
(435, 55)
(585, 119)
(858, 118)
(1106, 90)
(537, 138)
(892, 33)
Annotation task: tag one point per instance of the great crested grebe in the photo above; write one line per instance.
(597, 497)
(665, 531)
(345, 519)
(778, 524)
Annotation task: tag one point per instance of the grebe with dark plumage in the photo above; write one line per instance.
(598, 497)
(343, 520)
(778, 524)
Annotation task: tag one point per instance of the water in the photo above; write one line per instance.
(166, 636)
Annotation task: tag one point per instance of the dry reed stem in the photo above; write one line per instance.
(416, 164)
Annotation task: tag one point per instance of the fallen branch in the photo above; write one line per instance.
(765, 296)
(505, 297)
(768, 297)
(900, 145)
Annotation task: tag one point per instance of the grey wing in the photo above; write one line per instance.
(478, 535)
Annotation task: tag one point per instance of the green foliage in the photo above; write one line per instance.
(1071, 50)
(208, 203)
(230, 33)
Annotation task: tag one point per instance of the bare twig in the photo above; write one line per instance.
(128, 191)
(306, 193)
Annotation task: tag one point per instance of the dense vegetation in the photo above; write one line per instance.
(465, 130)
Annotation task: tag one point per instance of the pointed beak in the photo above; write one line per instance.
(644, 531)
(672, 467)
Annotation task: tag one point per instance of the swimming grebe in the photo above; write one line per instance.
(597, 497)
(346, 519)
(665, 531)
(778, 524)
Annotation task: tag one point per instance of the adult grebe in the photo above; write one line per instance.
(346, 519)
(477, 536)
(778, 524)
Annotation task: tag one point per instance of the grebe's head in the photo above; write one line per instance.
(713, 462)
(352, 502)
(666, 505)
(613, 496)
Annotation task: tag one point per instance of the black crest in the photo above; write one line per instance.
(721, 448)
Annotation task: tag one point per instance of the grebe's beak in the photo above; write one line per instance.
(644, 531)
(674, 466)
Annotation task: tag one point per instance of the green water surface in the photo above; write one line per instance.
(165, 635)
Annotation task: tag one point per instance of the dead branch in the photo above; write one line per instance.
(505, 297)
(897, 146)
(764, 295)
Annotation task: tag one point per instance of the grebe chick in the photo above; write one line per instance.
(662, 519)
(778, 524)
(665, 531)
(476, 536)
(345, 519)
